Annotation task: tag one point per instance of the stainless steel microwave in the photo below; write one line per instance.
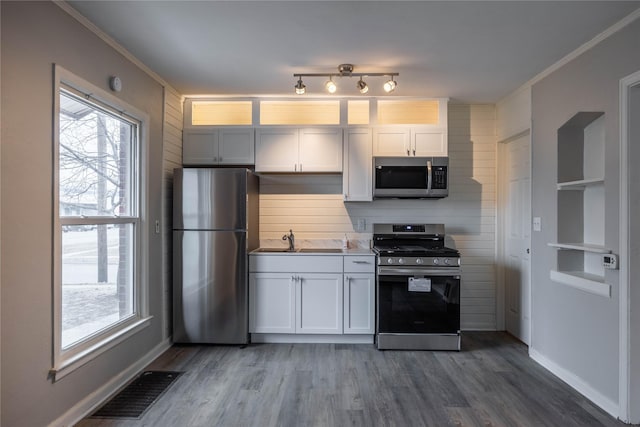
(410, 177)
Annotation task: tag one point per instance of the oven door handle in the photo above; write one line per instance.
(429, 176)
(393, 271)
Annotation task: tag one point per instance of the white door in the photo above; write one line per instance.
(319, 304)
(320, 150)
(428, 143)
(200, 148)
(517, 237)
(236, 146)
(356, 176)
(392, 142)
(359, 303)
(277, 150)
(272, 303)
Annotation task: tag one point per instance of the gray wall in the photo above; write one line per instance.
(574, 330)
(35, 35)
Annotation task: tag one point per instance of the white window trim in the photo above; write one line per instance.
(65, 362)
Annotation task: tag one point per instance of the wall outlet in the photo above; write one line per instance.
(537, 223)
(157, 227)
(361, 225)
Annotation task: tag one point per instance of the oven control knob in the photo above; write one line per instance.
(389, 261)
(446, 261)
(436, 261)
(419, 261)
(401, 261)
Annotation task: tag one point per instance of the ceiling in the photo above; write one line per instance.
(470, 51)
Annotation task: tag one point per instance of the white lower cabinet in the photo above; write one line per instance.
(319, 304)
(359, 303)
(312, 296)
(272, 303)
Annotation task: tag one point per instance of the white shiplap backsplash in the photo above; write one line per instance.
(312, 206)
(172, 158)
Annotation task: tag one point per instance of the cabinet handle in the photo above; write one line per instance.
(408, 152)
(220, 159)
(347, 278)
(300, 167)
(215, 159)
(414, 152)
(361, 262)
(295, 167)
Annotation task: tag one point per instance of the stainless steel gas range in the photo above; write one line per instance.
(418, 288)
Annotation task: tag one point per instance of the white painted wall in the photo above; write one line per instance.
(312, 206)
(513, 114)
(573, 331)
(36, 35)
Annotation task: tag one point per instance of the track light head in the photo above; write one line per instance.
(300, 87)
(330, 86)
(362, 86)
(390, 86)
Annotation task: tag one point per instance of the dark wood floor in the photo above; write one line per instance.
(491, 382)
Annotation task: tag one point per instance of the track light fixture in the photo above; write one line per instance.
(300, 87)
(362, 86)
(330, 86)
(389, 86)
(346, 70)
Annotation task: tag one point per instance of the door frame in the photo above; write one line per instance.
(627, 352)
(502, 233)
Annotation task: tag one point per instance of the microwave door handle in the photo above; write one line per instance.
(429, 177)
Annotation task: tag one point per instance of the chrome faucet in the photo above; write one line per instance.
(290, 237)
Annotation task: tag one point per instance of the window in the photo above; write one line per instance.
(97, 282)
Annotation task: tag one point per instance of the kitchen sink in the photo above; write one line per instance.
(321, 250)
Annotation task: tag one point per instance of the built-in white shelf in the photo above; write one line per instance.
(584, 281)
(580, 184)
(586, 247)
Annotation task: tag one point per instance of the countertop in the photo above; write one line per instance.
(310, 251)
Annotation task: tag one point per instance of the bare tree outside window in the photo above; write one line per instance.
(97, 189)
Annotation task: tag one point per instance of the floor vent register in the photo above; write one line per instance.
(137, 397)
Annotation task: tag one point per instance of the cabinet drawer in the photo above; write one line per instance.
(359, 264)
(295, 263)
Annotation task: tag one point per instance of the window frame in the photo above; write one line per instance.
(66, 360)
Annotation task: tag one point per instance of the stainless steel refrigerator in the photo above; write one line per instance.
(215, 225)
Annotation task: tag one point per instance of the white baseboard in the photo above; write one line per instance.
(95, 399)
(311, 338)
(577, 383)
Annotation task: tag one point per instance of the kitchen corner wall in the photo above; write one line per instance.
(575, 333)
(312, 206)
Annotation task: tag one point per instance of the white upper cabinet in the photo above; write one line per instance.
(411, 142)
(234, 146)
(299, 150)
(276, 150)
(358, 163)
(200, 148)
(429, 143)
(320, 150)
